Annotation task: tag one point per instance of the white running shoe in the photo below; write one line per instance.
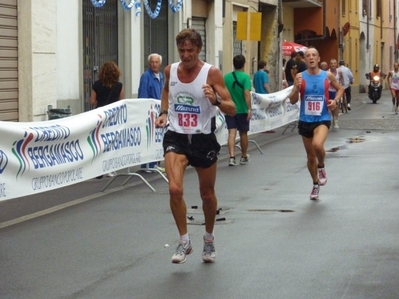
(336, 124)
(209, 253)
(244, 160)
(314, 195)
(183, 249)
(232, 162)
(322, 176)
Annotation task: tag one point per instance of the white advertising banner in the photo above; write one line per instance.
(40, 156)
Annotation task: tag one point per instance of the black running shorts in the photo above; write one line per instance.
(306, 129)
(201, 150)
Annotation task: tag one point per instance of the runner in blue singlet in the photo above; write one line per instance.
(314, 118)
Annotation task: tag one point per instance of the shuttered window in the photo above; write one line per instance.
(8, 60)
(199, 25)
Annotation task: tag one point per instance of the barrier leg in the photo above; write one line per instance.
(154, 170)
(129, 175)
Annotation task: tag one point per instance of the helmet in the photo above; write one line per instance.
(376, 66)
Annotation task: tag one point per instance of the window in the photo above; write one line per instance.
(343, 7)
(379, 9)
(237, 44)
(366, 8)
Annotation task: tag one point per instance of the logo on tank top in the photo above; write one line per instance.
(185, 100)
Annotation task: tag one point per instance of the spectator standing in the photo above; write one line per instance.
(238, 84)
(150, 87)
(107, 89)
(193, 89)
(288, 69)
(261, 78)
(348, 80)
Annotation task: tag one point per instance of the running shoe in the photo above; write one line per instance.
(322, 176)
(183, 249)
(336, 124)
(315, 192)
(349, 106)
(161, 169)
(244, 160)
(396, 110)
(232, 162)
(393, 108)
(209, 253)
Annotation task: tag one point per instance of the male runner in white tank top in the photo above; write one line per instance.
(192, 91)
(393, 82)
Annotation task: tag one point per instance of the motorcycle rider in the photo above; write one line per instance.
(375, 72)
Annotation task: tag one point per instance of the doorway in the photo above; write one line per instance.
(100, 41)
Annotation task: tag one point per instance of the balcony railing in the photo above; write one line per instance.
(303, 3)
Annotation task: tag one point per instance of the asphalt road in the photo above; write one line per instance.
(77, 242)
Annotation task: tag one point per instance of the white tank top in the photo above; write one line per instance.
(394, 80)
(337, 72)
(190, 112)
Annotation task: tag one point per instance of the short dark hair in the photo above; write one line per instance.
(261, 64)
(341, 62)
(293, 54)
(238, 61)
(300, 53)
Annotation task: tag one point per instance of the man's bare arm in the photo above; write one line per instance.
(215, 80)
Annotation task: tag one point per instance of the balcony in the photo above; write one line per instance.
(303, 3)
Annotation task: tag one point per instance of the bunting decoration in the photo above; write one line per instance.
(152, 14)
(176, 8)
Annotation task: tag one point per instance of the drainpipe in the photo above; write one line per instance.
(368, 25)
(300, 41)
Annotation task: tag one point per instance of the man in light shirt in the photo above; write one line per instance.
(348, 80)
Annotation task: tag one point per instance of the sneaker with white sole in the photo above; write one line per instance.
(183, 249)
(393, 108)
(322, 176)
(232, 161)
(161, 169)
(396, 110)
(244, 160)
(349, 106)
(209, 252)
(314, 195)
(335, 122)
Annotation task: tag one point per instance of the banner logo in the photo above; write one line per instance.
(3, 161)
(94, 139)
(19, 151)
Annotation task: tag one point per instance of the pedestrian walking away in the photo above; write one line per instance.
(150, 87)
(314, 117)
(192, 92)
(348, 81)
(106, 90)
(393, 83)
(238, 84)
(332, 90)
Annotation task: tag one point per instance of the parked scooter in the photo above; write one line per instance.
(375, 86)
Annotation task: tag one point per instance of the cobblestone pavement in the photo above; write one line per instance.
(383, 117)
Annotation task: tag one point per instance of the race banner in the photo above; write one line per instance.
(41, 156)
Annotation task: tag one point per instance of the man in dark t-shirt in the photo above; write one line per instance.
(288, 66)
